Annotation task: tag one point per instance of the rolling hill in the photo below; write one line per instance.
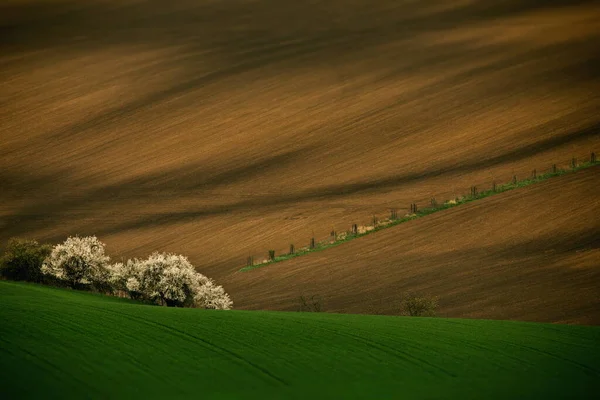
(219, 129)
(63, 344)
(529, 254)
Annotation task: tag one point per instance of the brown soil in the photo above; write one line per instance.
(220, 129)
(530, 254)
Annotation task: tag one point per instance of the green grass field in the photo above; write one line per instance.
(58, 343)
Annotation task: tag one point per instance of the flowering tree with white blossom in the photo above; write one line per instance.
(163, 278)
(168, 279)
(125, 277)
(209, 295)
(78, 261)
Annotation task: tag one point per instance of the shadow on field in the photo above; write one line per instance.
(239, 36)
(274, 104)
(196, 179)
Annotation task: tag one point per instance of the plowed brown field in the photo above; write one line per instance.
(530, 254)
(220, 129)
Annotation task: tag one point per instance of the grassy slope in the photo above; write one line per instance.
(57, 344)
(528, 254)
(222, 128)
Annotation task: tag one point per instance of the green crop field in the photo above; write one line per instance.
(58, 343)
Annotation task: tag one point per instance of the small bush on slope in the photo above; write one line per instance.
(23, 259)
(310, 304)
(168, 279)
(416, 306)
(79, 262)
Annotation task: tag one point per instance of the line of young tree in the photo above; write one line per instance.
(81, 263)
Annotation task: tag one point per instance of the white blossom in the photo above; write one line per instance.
(79, 260)
(170, 279)
(133, 285)
(162, 278)
(209, 295)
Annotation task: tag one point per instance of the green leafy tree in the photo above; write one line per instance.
(23, 259)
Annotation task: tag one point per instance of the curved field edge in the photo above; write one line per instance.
(58, 343)
(349, 236)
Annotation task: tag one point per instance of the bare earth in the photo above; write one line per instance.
(530, 254)
(220, 129)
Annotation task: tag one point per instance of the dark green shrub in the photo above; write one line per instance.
(22, 260)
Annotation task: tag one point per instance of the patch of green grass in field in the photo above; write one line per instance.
(424, 212)
(57, 343)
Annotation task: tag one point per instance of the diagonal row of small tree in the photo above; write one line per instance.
(416, 211)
